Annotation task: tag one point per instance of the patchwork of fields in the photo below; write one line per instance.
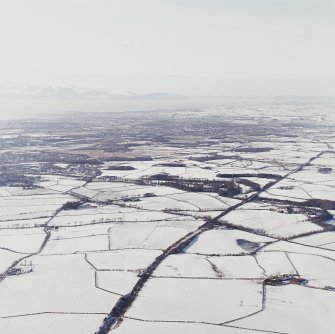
(170, 222)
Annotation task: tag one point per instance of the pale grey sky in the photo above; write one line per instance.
(229, 47)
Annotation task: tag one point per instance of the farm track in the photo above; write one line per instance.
(125, 302)
(47, 232)
(45, 241)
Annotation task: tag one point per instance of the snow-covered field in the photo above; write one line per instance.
(225, 242)
(54, 323)
(207, 222)
(294, 309)
(271, 220)
(58, 284)
(196, 300)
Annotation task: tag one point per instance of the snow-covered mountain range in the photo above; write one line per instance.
(71, 92)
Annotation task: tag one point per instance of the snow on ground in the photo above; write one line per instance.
(5, 191)
(118, 190)
(202, 214)
(236, 169)
(18, 191)
(308, 183)
(199, 300)
(330, 246)
(224, 242)
(327, 159)
(268, 219)
(113, 186)
(57, 284)
(275, 263)
(136, 326)
(313, 183)
(81, 244)
(261, 181)
(120, 282)
(127, 259)
(7, 258)
(319, 191)
(83, 191)
(24, 240)
(111, 213)
(294, 309)
(97, 252)
(291, 247)
(59, 183)
(149, 235)
(185, 265)
(29, 207)
(23, 223)
(69, 232)
(165, 203)
(320, 239)
(319, 271)
(192, 265)
(287, 190)
(237, 266)
(52, 323)
(204, 201)
(146, 170)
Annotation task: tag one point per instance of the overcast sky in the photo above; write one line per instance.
(228, 47)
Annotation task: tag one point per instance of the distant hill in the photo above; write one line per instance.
(71, 92)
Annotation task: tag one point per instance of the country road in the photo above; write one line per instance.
(125, 302)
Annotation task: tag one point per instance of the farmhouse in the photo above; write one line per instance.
(285, 279)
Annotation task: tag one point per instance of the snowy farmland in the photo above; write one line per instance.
(168, 227)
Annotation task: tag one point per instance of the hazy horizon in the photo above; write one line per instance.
(191, 47)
